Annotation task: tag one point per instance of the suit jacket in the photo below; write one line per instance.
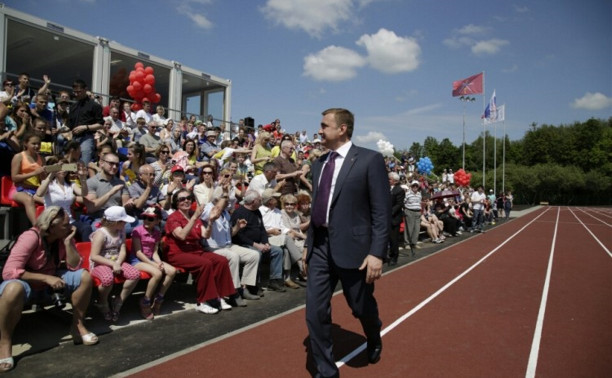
(397, 204)
(360, 210)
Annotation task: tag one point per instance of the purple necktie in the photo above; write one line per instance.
(319, 211)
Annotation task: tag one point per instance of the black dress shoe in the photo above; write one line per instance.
(374, 350)
(393, 261)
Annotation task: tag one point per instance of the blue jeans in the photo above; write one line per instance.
(477, 220)
(276, 262)
(88, 147)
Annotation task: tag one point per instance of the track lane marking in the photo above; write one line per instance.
(537, 335)
(593, 235)
(594, 217)
(397, 322)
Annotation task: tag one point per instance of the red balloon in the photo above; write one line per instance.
(149, 79)
(136, 107)
(139, 76)
(149, 70)
(145, 99)
(130, 89)
(132, 76)
(156, 98)
(138, 65)
(137, 86)
(147, 88)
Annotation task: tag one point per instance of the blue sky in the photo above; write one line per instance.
(391, 62)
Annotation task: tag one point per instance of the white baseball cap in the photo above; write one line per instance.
(117, 214)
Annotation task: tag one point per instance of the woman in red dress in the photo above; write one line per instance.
(184, 231)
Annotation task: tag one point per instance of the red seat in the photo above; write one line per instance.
(84, 249)
(7, 184)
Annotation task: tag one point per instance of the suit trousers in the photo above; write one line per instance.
(413, 226)
(323, 275)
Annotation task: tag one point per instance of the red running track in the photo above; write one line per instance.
(532, 297)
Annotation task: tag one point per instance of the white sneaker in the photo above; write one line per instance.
(206, 309)
(224, 305)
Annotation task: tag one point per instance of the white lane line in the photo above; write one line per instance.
(396, 323)
(593, 235)
(594, 217)
(537, 335)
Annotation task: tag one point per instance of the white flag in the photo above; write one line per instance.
(501, 113)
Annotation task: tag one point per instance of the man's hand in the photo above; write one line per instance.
(374, 268)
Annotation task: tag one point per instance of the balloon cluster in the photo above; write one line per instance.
(142, 86)
(424, 165)
(385, 147)
(462, 178)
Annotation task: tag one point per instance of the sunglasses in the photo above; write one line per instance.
(181, 199)
(150, 219)
(207, 172)
(111, 163)
(290, 203)
(164, 152)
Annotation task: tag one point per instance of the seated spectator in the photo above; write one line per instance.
(94, 167)
(466, 212)
(184, 231)
(280, 235)
(266, 180)
(139, 130)
(429, 223)
(128, 116)
(144, 256)
(56, 190)
(105, 189)
(443, 212)
(150, 141)
(135, 158)
(203, 191)
(143, 193)
(109, 259)
(104, 136)
(292, 219)
(162, 165)
(159, 117)
(165, 133)
(254, 236)
(220, 241)
(27, 171)
(176, 182)
(44, 261)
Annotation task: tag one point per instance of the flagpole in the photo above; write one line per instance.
(484, 130)
(504, 155)
(465, 99)
(495, 158)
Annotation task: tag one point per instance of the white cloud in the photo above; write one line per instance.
(385, 147)
(371, 136)
(471, 29)
(513, 68)
(186, 8)
(312, 16)
(333, 63)
(490, 47)
(593, 101)
(519, 9)
(389, 53)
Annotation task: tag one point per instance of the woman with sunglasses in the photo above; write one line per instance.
(162, 165)
(44, 261)
(184, 231)
(203, 191)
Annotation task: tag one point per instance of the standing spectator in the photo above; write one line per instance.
(508, 204)
(262, 152)
(478, 202)
(397, 212)
(145, 112)
(84, 118)
(287, 169)
(412, 204)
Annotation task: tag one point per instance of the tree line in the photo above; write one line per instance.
(561, 165)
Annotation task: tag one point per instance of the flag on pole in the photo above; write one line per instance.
(501, 113)
(490, 113)
(469, 86)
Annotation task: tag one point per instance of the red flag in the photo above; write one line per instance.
(471, 85)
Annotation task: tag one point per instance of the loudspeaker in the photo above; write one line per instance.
(249, 122)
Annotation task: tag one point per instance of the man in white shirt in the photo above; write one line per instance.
(478, 203)
(266, 180)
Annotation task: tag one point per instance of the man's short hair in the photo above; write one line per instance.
(343, 116)
(269, 166)
(251, 196)
(79, 83)
(394, 176)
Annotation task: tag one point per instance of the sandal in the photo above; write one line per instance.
(145, 309)
(117, 303)
(88, 339)
(9, 364)
(157, 303)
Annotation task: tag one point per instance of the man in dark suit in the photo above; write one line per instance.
(397, 214)
(348, 236)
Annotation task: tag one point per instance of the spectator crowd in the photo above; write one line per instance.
(163, 196)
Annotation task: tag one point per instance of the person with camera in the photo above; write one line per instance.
(43, 262)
